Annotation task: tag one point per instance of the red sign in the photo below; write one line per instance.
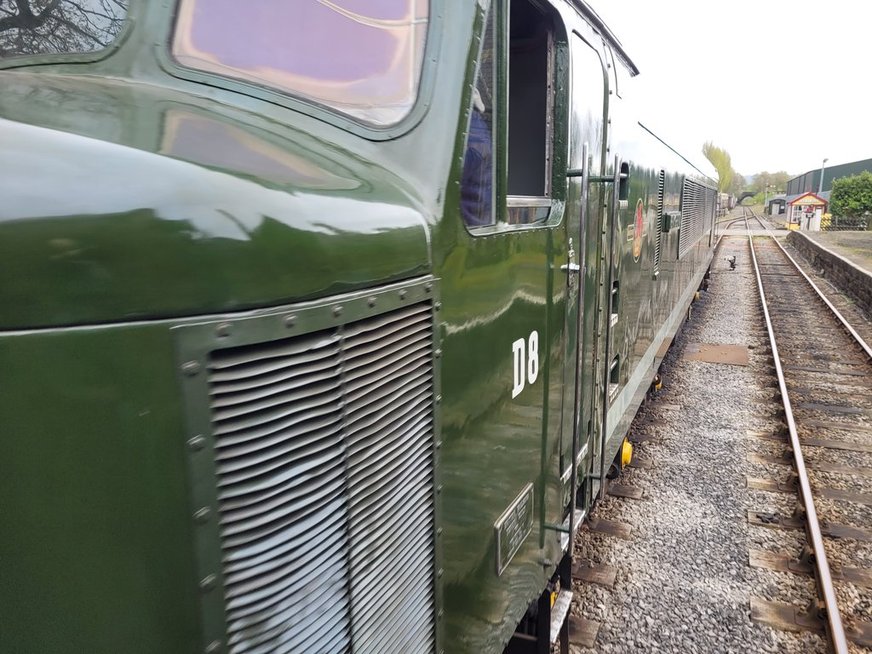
(637, 232)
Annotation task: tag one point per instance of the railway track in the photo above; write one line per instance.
(824, 373)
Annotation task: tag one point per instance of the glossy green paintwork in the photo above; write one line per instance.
(166, 206)
(135, 197)
(95, 552)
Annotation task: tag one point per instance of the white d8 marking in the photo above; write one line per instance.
(533, 359)
(525, 357)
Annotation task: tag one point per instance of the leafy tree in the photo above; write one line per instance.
(761, 181)
(777, 182)
(851, 196)
(737, 185)
(31, 27)
(781, 179)
(720, 159)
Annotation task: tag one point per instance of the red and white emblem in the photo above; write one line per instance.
(637, 231)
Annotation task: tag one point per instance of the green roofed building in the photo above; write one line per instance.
(810, 181)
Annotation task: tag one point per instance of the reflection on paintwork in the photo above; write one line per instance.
(481, 320)
(129, 234)
(96, 178)
(92, 108)
(211, 143)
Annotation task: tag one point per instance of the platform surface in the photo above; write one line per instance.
(854, 246)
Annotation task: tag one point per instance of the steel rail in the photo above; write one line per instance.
(836, 630)
(758, 219)
(859, 339)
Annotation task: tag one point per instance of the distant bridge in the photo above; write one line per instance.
(745, 194)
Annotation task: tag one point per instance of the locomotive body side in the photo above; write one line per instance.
(671, 209)
(600, 285)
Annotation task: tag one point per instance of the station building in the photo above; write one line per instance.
(804, 204)
(777, 205)
(804, 212)
(809, 182)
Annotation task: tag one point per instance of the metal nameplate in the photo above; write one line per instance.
(513, 527)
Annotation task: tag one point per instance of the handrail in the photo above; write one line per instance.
(579, 327)
(614, 220)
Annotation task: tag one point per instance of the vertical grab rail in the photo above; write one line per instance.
(579, 334)
(615, 218)
(614, 213)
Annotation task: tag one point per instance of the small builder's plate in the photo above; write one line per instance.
(513, 526)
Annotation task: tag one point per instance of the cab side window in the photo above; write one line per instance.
(509, 144)
(529, 101)
(477, 180)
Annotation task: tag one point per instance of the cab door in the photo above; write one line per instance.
(585, 235)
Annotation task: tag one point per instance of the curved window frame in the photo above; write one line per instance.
(21, 61)
(555, 198)
(310, 107)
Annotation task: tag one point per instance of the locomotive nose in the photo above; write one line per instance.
(108, 232)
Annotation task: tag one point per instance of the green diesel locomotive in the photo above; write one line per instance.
(322, 321)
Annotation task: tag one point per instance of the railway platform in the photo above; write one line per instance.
(844, 258)
(853, 246)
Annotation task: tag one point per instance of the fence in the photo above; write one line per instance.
(846, 223)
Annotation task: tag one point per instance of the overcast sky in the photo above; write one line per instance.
(779, 84)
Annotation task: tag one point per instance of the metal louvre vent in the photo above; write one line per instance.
(709, 212)
(692, 215)
(389, 432)
(324, 461)
(658, 230)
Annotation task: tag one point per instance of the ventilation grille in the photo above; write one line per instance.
(693, 202)
(389, 397)
(658, 231)
(325, 485)
(709, 211)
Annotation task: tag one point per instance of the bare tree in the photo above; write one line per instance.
(31, 27)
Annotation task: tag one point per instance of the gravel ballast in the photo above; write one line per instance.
(684, 582)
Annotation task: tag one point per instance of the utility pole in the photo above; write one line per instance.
(821, 184)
